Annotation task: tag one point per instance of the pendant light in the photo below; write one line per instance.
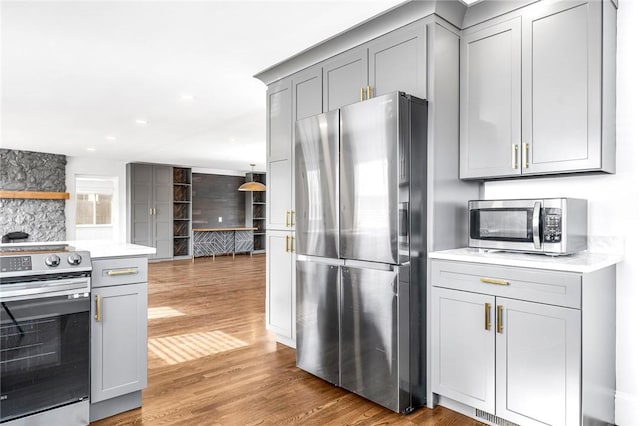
(252, 186)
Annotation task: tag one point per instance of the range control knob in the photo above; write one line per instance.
(74, 259)
(52, 260)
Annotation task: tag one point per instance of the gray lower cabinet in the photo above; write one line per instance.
(528, 346)
(118, 335)
(281, 295)
(538, 91)
(150, 201)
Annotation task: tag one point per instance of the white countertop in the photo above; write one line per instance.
(97, 248)
(583, 262)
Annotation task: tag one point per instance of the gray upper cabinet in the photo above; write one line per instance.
(307, 93)
(398, 61)
(344, 79)
(394, 61)
(561, 97)
(279, 154)
(490, 101)
(151, 207)
(538, 93)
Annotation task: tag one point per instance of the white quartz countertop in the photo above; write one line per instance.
(97, 248)
(580, 262)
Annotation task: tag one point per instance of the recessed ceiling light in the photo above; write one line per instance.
(110, 138)
(91, 149)
(187, 97)
(141, 122)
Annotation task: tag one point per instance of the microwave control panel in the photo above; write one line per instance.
(552, 227)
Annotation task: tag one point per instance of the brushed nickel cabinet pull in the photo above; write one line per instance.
(494, 281)
(98, 316)
(514, 154)
(115, 272)
(500, 315)
(487, 316)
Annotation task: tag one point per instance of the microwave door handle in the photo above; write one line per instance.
(536, 224)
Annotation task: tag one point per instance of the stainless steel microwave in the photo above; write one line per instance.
(548, 225)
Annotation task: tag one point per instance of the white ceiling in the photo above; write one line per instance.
(76, 75)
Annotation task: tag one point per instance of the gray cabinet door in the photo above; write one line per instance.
(344, 79)
(118, 341)
(307, 93)
(398, 62)
(463, 347)
(280, 286)
(561, 96)
(490, 101)
(163, 213)
(279, 155)
(141, 193)
(538, 355)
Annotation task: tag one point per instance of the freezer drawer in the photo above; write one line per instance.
(374, 355)
(318, 319)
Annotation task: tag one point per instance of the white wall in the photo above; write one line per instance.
(614, 209)
(88, 166)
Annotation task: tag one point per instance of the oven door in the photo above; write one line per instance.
(505, 225)
(44, 345)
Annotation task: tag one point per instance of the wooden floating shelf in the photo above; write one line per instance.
(34, 195)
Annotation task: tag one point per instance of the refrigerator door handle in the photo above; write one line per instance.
(370, 265)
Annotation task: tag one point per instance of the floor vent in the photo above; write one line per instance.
(493, 419)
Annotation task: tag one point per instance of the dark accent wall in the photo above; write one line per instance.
(43, 220)
(217, 196)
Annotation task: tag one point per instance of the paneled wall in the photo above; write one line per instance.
(217, 196)
(43, 220)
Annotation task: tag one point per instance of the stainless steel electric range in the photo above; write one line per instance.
(44, 335)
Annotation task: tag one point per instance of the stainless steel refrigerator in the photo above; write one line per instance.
(361, 245)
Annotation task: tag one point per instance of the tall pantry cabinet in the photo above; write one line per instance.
(159, 209)
(288, 100)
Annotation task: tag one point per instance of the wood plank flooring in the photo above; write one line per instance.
(212, 362)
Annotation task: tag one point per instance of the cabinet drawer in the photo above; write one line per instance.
(550, 287)
(129, 270)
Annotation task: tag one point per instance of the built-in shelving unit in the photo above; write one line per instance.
(256, 212)
(181, 212)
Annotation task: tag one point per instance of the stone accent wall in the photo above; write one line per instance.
(43, 220)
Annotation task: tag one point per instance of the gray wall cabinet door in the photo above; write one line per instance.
(538, 357)
(464, 338)
(398, 61)
(141, 181)
(118, 341)
(490, 101)
(307, 93)
(279, 154)
(344, 79)
(163, 213)
(561, 97)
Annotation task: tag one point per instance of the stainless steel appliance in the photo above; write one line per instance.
(44, 335)
(361, 185)
(555, 226)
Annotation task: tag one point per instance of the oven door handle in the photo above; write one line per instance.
(21, 291)
(536, 224)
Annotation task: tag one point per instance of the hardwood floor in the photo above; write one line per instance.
(211, 361)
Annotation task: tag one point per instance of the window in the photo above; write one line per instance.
(93, 209)
(94, 201)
